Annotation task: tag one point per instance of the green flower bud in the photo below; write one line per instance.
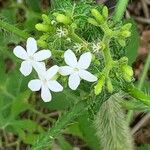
(109, 85)
(99, 18)
(44, 37)
(128, 70)
(123, 60)
(43, 27)
(45, 18)
(105, 12)
(93, 21)
(74, 26)
(122, 42)
(42, 43)
(127, 26)
(99, 86)
(126, 33)
(63, 19)
(127, 77)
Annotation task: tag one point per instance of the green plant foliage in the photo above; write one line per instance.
(82, 26)
(133, 44)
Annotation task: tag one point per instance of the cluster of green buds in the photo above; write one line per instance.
(119, 34)
(47, 28)
(64, 27)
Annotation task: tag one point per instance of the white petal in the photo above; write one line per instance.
(74, 81)
(20, 52)
(87, 76)
(39, 67)
(70, 58)
(35, 85)
(42, 55)
(31, 46)
(50, 73)
(85, 60)
(65, 70)
(55, 86)
(45, 94)
(26, 68)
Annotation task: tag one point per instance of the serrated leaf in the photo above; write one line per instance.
(20, 104)
(88, 130)
(64, 144)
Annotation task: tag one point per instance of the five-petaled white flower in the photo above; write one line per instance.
(46, 83)
(77, 69)
(32, 58)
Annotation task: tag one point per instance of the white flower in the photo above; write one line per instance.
(77, 69)
(31, 58)
(60, 32)
(46, 83)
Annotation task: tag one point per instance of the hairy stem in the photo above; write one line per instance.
(112, 129)
(11, 28)
(46, 140)
(136, 93)
(120, 9)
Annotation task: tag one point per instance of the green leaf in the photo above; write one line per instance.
(64, 144)
(146, 147)
(30, 138)
(88, 131)
(133, 44)
(20, 104)
(34, 5)
(61, 100)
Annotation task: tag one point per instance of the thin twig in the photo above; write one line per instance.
(145, 9)
(140, 123)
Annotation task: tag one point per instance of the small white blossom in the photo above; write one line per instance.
(96, 47)
(61, 32)
(77, 69)
(77, 47)
(31, 58)
(46, 83)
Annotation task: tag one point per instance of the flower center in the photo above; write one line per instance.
(44, 81)
(31, 58)
(76, 69)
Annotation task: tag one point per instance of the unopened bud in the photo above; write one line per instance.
(122, 42)
(100, 84)
(126, 33)
(128, 70)
(45, 19)
(109, 85)
(99, 18)
(42, 43)
(63, 19)
(43, 27)
(93, 21)
(127, 26)
(105, 12)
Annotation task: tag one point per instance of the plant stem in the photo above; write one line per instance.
(136, 93)
(45, 140)
(120, 9)
(141, 82)
(13, 29)
(145, 70)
